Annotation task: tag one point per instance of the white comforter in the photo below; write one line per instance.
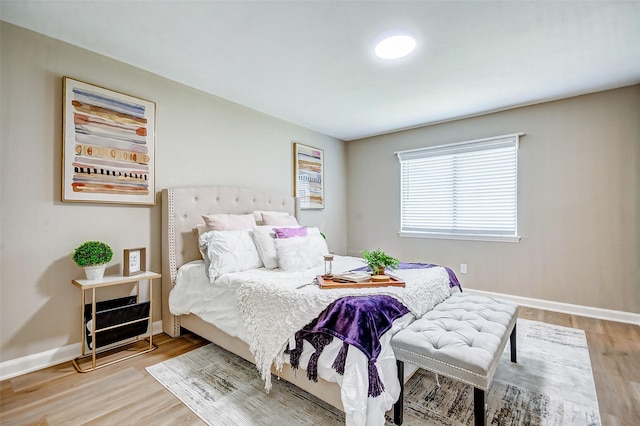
(273, 307)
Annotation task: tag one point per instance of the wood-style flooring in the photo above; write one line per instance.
(124, 393)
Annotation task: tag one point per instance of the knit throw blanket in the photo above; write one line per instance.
(356, 320)
(272, 312)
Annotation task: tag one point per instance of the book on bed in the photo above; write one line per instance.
(351, 277)
(330, 283)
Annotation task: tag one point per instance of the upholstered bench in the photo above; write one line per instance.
(461, 338)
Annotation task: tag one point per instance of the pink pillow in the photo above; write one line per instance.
(229, 222)
(274, 220)
(290, 232)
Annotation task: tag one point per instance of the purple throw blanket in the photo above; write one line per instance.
(453, 280)
(356, 320)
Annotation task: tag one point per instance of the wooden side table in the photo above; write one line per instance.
(107, 281)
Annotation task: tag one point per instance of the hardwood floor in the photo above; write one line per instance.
(614, 349)
(124, 393)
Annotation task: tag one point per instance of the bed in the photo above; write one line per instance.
(182, 210)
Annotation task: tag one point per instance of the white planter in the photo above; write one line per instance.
(94, 272)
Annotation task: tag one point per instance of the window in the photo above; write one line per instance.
(465, 190)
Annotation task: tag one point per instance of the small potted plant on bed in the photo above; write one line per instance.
(378, 261)
(93, 256)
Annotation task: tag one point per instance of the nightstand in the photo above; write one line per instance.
(110, 313)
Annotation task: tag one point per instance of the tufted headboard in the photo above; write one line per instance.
(181, 212)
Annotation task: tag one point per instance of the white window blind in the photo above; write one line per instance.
(466, 190)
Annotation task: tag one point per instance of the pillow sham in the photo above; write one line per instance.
(200, 229)
(269, 219)
(290, 232)
(297, 254)
(228, 222)
(257, 214)
(229, 251)
(264, 237)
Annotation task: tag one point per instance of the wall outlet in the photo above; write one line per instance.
(463, 268)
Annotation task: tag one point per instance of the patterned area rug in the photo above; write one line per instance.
(552, 384)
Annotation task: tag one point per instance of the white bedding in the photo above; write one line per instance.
(218, 304)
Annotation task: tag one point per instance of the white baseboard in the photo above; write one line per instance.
(567, 308)
(29, 363)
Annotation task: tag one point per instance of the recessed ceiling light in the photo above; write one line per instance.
(395, 46)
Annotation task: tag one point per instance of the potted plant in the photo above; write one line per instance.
(93, 256)
(378, 261)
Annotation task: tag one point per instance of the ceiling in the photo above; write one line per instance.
(311, 62)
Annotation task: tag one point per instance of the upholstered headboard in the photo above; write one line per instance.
(181, 212)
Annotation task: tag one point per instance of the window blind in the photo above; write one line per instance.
(463, 190)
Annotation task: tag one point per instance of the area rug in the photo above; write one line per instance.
(552, 384)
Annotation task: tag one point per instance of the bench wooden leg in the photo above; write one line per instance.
(479, 404)
(398, 407)
(512, 344)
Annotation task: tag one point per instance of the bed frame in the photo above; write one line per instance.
(181, 212)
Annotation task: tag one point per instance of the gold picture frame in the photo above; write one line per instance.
(134, 261)
(108, 146)
(308, 176)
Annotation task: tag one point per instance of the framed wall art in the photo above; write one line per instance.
(108, 146)
(308, 176)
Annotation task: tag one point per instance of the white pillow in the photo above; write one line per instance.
(265, 236)
(201, 228)
(230, 251)
(300, 253)
(258, 215)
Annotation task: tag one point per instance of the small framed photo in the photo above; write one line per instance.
(134, 261)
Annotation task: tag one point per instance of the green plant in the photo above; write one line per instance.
(378, 260)
(92, 253)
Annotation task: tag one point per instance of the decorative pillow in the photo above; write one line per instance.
(290, 232)
(269, 219)
(257, 214)
(200, 229)
(264, 237)
(228, 222)
(300, 253)
(229, 251)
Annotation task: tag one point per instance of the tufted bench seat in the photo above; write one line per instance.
(461, 338)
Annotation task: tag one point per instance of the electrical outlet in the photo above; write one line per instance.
(463, 268)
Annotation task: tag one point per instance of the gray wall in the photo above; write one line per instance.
(200, 139)
(578, 201)
(579, 183)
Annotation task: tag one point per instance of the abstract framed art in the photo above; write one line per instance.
(308, 176)
(108, 146)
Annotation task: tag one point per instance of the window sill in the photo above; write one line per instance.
(466, 237)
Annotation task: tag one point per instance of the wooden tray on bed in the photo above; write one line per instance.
(327, 284)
